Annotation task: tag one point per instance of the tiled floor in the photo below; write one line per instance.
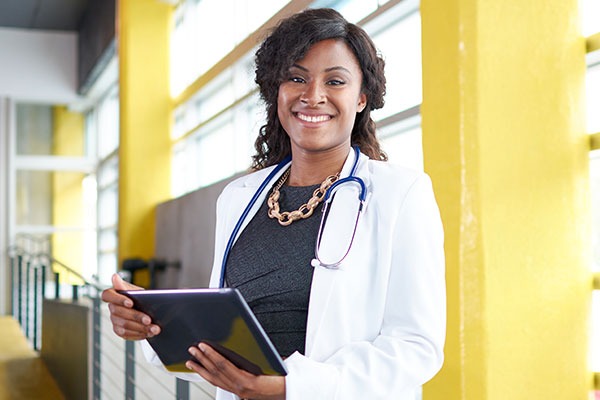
(23, 375)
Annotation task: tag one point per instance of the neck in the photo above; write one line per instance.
(313, 168)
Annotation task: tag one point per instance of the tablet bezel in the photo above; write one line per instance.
(189, 312)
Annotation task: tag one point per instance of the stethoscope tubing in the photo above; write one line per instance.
(245, 213)
(315, 262)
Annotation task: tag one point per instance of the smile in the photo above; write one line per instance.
(313, 118)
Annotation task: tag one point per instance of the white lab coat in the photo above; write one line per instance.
(376, 325)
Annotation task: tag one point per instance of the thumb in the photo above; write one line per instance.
(120, 284)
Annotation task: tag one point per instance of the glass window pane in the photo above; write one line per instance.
(590, 13)
(107, 241)
(400, 46)
(593, 99)
(108, 125)
(33, 198)
(214, 165)
(68, 133)
(108, 173)
(403, 144)
(191, 54)
(352, 10)
(595, 345)
(107, 266)
(34, 129)
(107, 207)
(595, 190)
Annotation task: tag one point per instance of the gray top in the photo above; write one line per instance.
(270, 265)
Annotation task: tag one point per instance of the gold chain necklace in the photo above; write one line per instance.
(287, 217)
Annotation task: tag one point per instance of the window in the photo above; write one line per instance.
(196, 20)
(214, 131)
(102, 123)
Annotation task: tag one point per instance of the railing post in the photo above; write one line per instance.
(75, 292)
(12, 286)
(35, 309)
(96, 349)
(43, 268)
(182, 389)
(129, 370)
(56, 286)
(27, 290)
(20, 289)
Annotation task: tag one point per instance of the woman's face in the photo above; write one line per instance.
(318, 102)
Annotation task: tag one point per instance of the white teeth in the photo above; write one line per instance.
(315, 118)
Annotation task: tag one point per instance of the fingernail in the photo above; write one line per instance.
(146, 320)
(188, 365)
(202, 347)
(128, 303)
(155, 329)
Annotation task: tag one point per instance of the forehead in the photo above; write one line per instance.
(330, 53)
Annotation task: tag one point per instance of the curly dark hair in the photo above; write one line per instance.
(287, 43)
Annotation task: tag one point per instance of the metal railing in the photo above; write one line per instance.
(117, 366)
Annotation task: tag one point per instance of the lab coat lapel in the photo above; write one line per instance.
(241, 196)
(325, 284)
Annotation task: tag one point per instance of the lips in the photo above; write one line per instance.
(313, 118)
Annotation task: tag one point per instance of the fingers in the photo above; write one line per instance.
(215, 368)
(219, 371)
(127, 322)
(132, 328)
(120, 284)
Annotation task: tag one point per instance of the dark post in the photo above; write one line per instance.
(43, 268)
(35, 309)
(12, 286)
(56, 285)
(20, 289)
(96, 352)
(27, 290)
(182, 389)
(130, 370)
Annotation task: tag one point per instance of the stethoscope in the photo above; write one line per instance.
(327, 201)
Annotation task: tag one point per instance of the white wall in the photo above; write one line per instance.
(38, 66)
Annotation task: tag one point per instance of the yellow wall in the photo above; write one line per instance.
(145, 147)
(504, 141)
(67, 191)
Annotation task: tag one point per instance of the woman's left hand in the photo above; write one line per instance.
(219, 371)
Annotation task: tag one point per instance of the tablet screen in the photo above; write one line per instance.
(218, 317)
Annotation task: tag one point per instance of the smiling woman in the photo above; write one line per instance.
(370, 325)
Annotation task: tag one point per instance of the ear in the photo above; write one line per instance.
(362, 103)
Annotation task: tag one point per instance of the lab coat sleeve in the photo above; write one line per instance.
(409, 348)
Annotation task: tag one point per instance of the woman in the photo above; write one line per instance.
(373, 325)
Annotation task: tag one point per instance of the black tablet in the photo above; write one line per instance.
(218, 317)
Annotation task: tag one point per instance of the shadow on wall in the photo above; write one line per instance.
(185, 234)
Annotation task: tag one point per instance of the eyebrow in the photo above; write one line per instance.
(335, 68)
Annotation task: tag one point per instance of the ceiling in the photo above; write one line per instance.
(62, 15)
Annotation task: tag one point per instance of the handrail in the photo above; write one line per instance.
(51, 260)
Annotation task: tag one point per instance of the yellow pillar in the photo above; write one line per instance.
(144, 151)
(505, 144)
(67, 192)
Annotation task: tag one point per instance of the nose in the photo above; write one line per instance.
(313, 95)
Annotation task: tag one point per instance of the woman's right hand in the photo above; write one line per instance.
(127, 323)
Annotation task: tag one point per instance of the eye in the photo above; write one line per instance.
(335, 82)
(296, 79)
